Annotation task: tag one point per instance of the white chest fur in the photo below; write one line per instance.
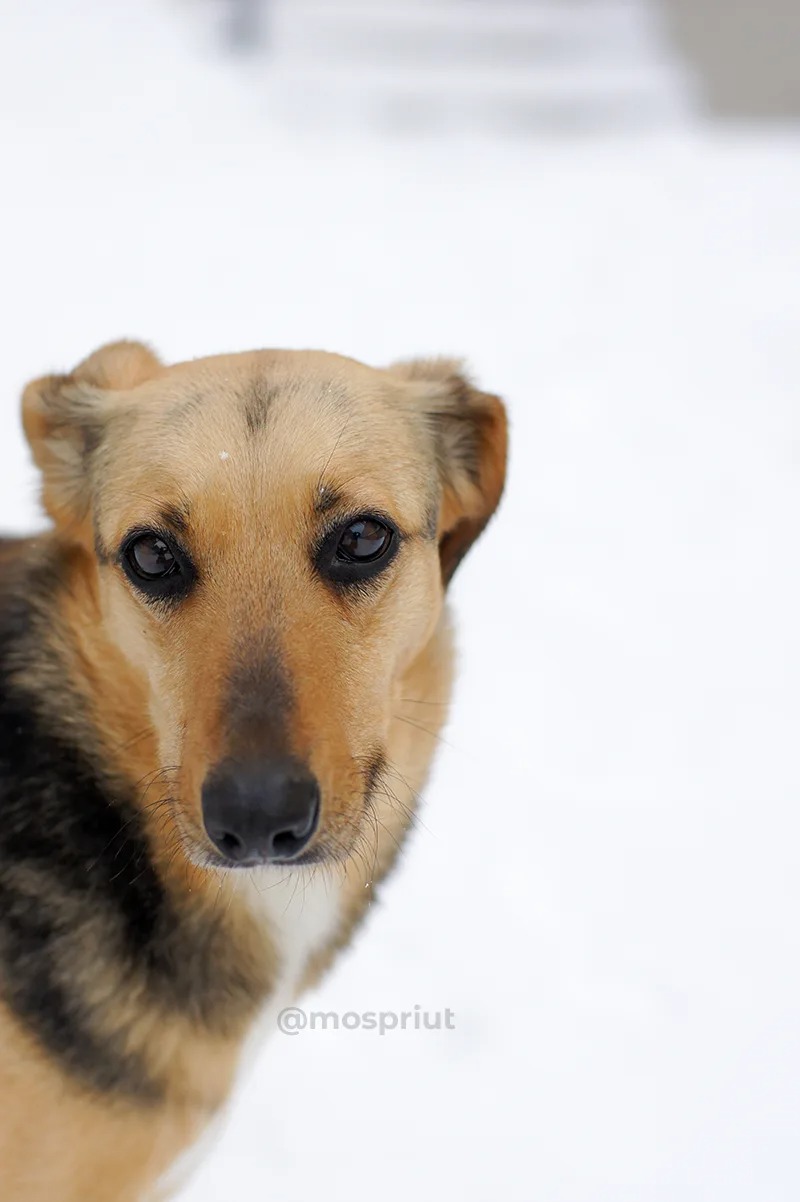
(301, 909)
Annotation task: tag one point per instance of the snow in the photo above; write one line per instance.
(606, 887)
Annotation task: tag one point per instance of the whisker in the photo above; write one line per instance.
(425, 730)
(335, 447)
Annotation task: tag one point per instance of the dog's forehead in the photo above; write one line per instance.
(248, 425)
(271, 401)
(248, 391)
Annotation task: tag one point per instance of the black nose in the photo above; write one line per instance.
(260, 813)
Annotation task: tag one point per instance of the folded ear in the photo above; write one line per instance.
(469, 433)
(64, 418)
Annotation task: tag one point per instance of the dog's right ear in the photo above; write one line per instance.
(64, 418)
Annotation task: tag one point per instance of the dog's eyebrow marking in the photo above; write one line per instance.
(176, 516)
(326, 499)
(257, 401)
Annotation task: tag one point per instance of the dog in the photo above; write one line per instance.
(222, 672)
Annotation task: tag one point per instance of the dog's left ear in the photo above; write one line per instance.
(64, 418)
(470, 434)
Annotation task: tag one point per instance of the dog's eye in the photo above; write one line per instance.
(151, 557)
(357, 550)
(364, 541)
(155, 565)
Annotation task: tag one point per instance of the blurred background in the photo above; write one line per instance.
(597, 202)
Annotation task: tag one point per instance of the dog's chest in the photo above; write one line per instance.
(301, 910)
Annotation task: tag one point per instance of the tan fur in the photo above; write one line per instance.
(56, 1142)
(121, 439)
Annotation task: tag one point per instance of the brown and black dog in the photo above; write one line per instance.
(222, 672)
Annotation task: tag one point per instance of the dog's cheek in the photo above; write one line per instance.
(396, 631)
(140, 639)
(413, 609)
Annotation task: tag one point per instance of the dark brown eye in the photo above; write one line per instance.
(151, 557)
(157, 566)
(364, 541)
(358, 550)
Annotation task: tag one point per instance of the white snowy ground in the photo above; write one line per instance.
(607, 888)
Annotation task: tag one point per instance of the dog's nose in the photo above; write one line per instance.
(263, 813)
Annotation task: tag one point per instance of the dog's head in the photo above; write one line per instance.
(269, 536)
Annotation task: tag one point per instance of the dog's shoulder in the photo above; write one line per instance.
(14, 552)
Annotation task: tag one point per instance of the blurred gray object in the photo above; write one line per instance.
(747, 53)
(522, 64)
(474, 64)
(246, 23)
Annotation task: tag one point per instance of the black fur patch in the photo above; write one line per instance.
(79, 892)
(62, 840)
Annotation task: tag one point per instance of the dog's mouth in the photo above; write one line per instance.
(324, 853)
